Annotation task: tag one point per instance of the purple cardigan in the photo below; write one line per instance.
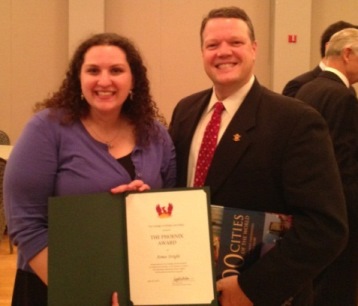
(51, 159)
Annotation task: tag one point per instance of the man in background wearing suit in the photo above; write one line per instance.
(274, 154)
(295, 84)
(329, 93)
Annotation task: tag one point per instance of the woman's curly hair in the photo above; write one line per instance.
(141, 110)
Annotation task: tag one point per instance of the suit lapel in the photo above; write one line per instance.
(187, 125)
(235, 140)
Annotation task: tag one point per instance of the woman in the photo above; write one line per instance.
(99, 132)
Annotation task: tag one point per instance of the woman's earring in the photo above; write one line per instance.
(131, 95)
(82, 97)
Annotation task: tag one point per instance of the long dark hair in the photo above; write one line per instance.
(141, 110)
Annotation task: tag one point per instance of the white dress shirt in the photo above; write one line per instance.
(231, 104)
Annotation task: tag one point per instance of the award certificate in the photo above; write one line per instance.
(169, 248)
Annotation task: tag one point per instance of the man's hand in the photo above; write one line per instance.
(231, 293)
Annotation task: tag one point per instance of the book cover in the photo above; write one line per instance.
(241, 237)
(138, 244)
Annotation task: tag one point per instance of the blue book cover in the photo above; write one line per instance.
(241, 237)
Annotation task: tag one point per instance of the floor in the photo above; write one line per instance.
(7, 271)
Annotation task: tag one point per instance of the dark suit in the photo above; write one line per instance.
(295, 84)
(284, 162)
(339, 106)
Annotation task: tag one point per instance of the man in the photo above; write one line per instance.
(273, 154)
(329, 93)
(295, 84)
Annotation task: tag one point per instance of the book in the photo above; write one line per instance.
(138, 244)
(241, 237)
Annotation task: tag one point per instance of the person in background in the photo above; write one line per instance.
(98, 132)
(292, 87)
(273, 154)
(330, 94)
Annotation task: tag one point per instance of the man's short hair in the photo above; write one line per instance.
(228, 12)
(347, 38)
(333, 28)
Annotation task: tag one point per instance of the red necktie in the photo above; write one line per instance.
(208, 145)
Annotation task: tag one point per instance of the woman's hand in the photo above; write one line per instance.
(115, 301)
(136, 185)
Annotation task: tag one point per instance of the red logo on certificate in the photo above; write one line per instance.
(164, 211)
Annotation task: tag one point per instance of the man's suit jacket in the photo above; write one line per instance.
(284, 163)
(293, 86)
(339, 106)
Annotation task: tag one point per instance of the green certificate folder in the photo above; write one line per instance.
(87, 257)
(138, 244)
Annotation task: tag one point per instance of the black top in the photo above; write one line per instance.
(127, 163)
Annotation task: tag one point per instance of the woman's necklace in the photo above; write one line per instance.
(109, 143)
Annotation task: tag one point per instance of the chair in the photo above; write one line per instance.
(2, 210)
(4, 138)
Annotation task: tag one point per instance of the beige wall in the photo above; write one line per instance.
(33, 57)
(289, 59)
(35, 43)
(167, 33)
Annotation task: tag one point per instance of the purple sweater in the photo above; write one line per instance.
(51, 159)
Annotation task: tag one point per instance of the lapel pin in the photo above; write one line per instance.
(236, 137)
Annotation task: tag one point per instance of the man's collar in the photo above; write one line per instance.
(339, 74)
(233, 102)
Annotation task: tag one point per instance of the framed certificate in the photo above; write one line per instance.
(154, 248)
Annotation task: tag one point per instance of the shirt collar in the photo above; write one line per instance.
(322, 65)
(233, 102)
(339, 74)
